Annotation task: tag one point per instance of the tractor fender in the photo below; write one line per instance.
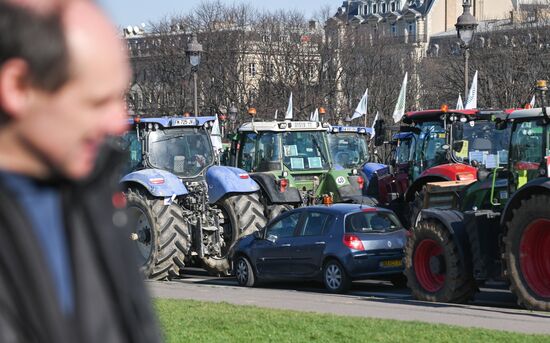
(270, 188)
(454, 222)
(537, 186)
(369, 169)
(159, 183)
(417, 185)
(228, 180)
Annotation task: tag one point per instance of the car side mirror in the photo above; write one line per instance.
(272, 238)
(501, 124)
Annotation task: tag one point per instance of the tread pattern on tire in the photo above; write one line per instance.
(247, 216)
(529, 209)
(459, 285)
(172, 239)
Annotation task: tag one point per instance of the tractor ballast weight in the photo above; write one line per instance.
(182, 204)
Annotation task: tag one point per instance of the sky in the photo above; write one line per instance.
(135, 12)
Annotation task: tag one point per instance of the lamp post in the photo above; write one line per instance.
(194, 50)
(233, 115)
(466, 26)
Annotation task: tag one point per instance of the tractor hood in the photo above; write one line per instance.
(452, 172)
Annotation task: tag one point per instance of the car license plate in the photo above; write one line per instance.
(391, 263)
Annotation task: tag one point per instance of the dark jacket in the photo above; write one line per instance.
(111, 303)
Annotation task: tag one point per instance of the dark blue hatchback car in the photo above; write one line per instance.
(336, 244)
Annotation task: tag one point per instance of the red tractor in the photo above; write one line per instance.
(439, 145)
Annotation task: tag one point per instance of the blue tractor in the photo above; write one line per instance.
(181, 204)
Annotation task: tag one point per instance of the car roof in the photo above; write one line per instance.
(339, 208)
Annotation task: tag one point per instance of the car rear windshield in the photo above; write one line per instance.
(369, 222)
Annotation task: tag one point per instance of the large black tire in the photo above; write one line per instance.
(527, 252)
(335, 277)
(164, 237)
(243, 214)
(274, 211)
(433, 267)
(245, 273)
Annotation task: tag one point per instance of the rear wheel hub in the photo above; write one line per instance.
(535, 256)
(429, 265)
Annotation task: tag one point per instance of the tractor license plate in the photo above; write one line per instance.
(391, 263)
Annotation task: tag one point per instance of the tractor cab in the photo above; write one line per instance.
(349, 145)
(293, 163)
(181, 146)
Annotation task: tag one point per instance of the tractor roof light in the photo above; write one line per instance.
(252, 112)
(335, 129)
(137, 120)
(322, 110)
(444, 108)
(327, 199)
(282, 126)
(463, 119)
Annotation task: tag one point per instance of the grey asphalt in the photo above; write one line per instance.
(493, 308)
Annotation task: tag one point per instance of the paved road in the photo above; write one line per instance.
(493, 308)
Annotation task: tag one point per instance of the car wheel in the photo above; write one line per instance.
(244, 273)
(335, 277)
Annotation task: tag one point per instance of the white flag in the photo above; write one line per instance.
(459, 104)
(374, 123)
(289, 112)
(471, 103)
(216, 135)
(532, 103)
(315, 115)
(361, 109)
(399, 111)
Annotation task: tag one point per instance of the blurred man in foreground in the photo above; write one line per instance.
(67, 269)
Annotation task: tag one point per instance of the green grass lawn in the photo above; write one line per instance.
(194, 321)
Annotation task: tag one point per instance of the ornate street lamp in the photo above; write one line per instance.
(194, 50)
(233, 111)
(466, 26)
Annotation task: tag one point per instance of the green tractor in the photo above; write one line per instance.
(292, 163)
(498, 230)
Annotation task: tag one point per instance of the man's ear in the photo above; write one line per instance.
(15, 87)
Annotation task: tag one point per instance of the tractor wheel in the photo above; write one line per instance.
(242, 215)
(527, 253)
(433, 267)
(275, 210)
(162, 236)
(416, 207)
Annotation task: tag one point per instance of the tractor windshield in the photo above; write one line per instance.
(349, 149)
(184, 152)
(404, 150)
(305, 150)
(527, 150)
(429, 150)
(480, 141)
(133, 146)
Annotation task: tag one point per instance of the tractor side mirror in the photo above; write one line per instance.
(501, 124)
(380, 129)
(258, 234)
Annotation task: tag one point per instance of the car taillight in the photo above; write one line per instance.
(360, 181)
(353, 242)
(283, 184)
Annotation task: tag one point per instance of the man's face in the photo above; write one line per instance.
(68, 126)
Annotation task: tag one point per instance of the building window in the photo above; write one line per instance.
(392, 6)
(252, 69)
(366, 9)
(374, 8)
(393, 30)
(384, 8)
(411, 29)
